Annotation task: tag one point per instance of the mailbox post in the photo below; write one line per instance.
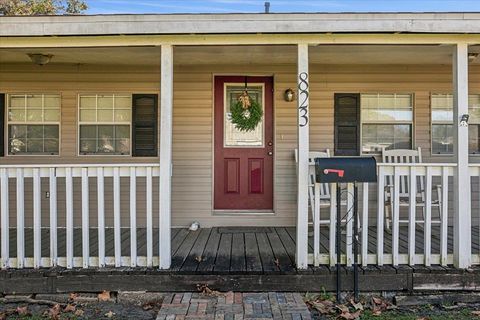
(346, 170)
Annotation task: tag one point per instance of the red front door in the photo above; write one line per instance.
(243, 161)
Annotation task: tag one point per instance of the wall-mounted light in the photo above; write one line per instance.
(40, 59)
(464, 120)
(289, 95)
(472, 56)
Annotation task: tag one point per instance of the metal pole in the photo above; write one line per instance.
(338, 240)
(355, 241)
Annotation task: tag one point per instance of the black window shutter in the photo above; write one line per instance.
(347, 124)
(2, 125)
(145, 123)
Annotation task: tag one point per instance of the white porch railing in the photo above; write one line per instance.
(85, 193)
(65, 186)
(409, 239)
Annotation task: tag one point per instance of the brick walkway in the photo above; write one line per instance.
(234, 306)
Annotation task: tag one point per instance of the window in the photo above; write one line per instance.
(442, 123)
(105, 124)
(33, 124)
(386, 122)
(233, 136)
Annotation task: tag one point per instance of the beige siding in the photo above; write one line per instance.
(193, 119)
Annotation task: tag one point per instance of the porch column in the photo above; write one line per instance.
(303, 150)
(166, 114)
(461, 188)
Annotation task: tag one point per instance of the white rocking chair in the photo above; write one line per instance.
(324, 188)
(407, 156)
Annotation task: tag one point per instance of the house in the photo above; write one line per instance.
(119, 129)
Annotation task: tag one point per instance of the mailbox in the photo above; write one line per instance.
(346, 169)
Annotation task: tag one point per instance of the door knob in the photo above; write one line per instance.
(270, 153)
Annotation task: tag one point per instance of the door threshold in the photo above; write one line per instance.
(243, 212)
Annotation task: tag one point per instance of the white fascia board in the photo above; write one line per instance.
(240, 24)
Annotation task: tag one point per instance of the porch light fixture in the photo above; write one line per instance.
(464, 120)
(472, 56)
(40, 59)
(289, 95)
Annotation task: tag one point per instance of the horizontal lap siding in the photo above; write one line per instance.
(69, 81)
(193, 131)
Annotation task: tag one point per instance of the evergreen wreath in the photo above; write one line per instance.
(246, 113)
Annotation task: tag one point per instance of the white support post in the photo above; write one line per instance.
(303, 150)
(4, 221)
(166, 116)
(37, 218)
(85, 219)
(462, 214)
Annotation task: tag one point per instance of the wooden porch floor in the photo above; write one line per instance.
(249, 259)
(229, 249)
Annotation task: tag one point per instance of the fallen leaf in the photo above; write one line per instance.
(3, 316)
(476, 313)
(199, 259)
(357, 306)
(350, 316)
(377, 300)
(73, 296)
(69, 308)
(343, 308)
(205, 290)
(79, 313)
(104, 296)
(109, 314)
(324, 307)
(22, 311)
(54, 312)
(376, 312)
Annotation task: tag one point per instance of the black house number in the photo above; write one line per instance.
(303, 99)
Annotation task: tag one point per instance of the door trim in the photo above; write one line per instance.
(237, 213)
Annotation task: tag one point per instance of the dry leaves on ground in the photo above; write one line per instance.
(350, 310)
(205, 290)
(79, 313)
(23, 311)
(109, 314)
(69, 308)
(104, 296)
(53, 312)
(476, 313)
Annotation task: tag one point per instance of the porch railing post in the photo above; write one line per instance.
(462, 214)
(303, 150)
(166, 115)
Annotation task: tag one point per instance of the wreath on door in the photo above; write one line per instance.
(246, 113)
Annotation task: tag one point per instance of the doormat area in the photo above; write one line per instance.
(244, 230)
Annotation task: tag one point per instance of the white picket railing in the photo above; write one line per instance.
(407, 241)
(17, 176)
(380, 245)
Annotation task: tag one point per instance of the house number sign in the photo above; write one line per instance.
(303, 99)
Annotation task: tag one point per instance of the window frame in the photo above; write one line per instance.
(447, 123)
(411, 123)
(113, 123)
(8, 123)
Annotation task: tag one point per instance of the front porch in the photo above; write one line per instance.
(77, 208)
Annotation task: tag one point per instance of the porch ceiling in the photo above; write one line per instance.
(240, 55)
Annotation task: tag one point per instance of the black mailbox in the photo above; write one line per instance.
(346, 169)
